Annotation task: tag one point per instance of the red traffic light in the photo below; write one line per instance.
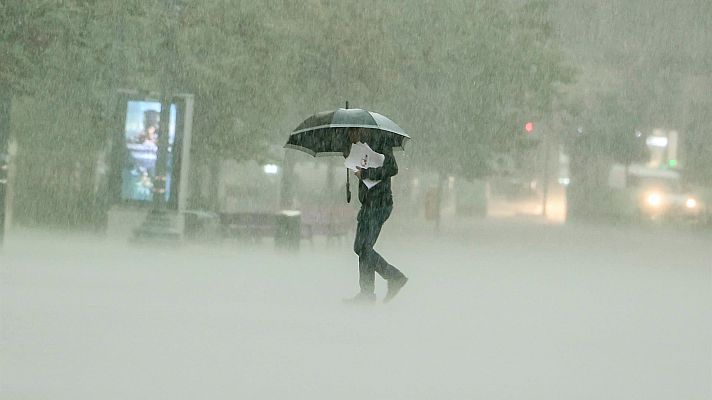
(529, 127)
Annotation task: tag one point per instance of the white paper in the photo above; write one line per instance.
(362, 156)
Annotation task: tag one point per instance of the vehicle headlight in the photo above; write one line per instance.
(654, 199)
(691, 203)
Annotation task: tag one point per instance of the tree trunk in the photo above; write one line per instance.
(214, 195)
(286, 193)
(5, 107)
(439, 200)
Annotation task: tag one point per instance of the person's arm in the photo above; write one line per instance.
(389, 168)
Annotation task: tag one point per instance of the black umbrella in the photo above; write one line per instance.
(325, 133)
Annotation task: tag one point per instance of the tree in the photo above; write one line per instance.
(699, 145)
(449, 73)
(25, 33)
(647, 59)
(477, 78)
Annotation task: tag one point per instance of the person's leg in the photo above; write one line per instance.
(395, 278)
(384, 269)
(367, 232)
(370, 223)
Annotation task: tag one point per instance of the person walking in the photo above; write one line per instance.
(376, 207)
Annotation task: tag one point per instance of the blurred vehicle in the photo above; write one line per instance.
(703, 196)
(653, 194)
(660, 198)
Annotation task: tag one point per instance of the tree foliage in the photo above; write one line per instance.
(469, 67)
(459, 76)
(643, 65)
(486, 70)
(26, 30)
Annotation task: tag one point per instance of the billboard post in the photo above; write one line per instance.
(149, 166)
(160, 223)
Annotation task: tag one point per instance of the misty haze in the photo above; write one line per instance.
(195, 198)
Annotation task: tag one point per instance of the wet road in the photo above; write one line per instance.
(492, 310)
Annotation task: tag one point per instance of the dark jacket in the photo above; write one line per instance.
(379, 195)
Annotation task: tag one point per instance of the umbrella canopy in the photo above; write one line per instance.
(324, 133)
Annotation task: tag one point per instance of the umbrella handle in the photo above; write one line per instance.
(348, 187)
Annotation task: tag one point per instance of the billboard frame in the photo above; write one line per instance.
(116, 149)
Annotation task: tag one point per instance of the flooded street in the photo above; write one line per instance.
(499, 311)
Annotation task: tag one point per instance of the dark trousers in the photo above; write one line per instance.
(370, 221)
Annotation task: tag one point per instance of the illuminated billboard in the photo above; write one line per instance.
(140, 141)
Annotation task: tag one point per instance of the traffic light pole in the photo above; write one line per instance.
(545, 183)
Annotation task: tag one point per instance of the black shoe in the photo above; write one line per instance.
(394, 286)
(361, 298)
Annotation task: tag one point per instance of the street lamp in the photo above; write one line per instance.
(158, 223)
(167, 90)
